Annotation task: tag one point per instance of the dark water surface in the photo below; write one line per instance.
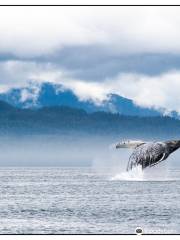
(81, 200)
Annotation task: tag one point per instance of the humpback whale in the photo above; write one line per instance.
(148, 154)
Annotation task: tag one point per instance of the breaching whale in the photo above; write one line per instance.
(148, 154)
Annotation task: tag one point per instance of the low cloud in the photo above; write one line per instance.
(158, 92)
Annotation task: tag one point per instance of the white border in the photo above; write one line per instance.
(89, 2)
(88, 237)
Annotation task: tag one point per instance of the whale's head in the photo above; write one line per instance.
(173, 145)
(129, 144)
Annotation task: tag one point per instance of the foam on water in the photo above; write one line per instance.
(136, 174)
(149, 174)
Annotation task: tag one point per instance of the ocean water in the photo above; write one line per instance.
(87, 201)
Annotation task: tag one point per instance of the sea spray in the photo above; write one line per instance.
(110, 161)
(157, 173)
(136, 174)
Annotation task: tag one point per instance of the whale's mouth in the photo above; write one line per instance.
(173, 145)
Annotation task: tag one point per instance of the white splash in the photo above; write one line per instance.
(136, 174)
(158, 173)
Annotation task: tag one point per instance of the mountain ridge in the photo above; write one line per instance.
(48, 94)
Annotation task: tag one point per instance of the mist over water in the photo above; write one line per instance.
(50, 150)
(66, 150)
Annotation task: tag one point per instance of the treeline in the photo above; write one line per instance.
(66, 120)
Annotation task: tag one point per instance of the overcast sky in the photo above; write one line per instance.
(94, 51)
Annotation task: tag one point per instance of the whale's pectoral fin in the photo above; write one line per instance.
(129, 144)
